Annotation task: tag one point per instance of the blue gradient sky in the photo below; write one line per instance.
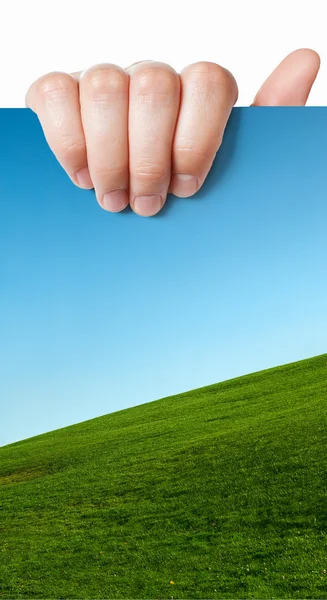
(100, 312)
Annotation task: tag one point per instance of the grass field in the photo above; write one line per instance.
(220, 492)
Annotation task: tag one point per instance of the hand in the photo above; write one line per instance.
(136, 134)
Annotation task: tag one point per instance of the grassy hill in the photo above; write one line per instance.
(220, 492)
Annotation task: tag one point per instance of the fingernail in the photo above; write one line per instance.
(83, 178)
(183, 185)
(148, 206)
(115, 201)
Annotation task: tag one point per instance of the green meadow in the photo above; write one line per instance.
(220, 492)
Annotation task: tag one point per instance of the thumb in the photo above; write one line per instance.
(291, 82)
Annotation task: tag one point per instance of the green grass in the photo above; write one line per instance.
(221, 490)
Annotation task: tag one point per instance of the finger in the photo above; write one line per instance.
(291, 82)
(55, 99)
(153, 110)
(208, 94)
(104, 110)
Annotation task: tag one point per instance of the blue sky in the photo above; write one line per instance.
(100, 312)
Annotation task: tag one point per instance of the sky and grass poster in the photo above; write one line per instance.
(163, 419)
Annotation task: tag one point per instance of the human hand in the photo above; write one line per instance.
(138, 133)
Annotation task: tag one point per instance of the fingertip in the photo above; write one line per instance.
(115, 201)
(147, 205)
(83, 178)
(183, 185)
(307, 53)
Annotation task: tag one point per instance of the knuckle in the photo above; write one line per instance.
(72, 147)
(193, 158)
(54, 85)
(110, 172)
(153, 172)
(158, 78)
(192, 151)
(214, 76)
(105, 78)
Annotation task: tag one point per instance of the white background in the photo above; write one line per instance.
(248, 37)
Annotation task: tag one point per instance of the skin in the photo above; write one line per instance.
(137, 133)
